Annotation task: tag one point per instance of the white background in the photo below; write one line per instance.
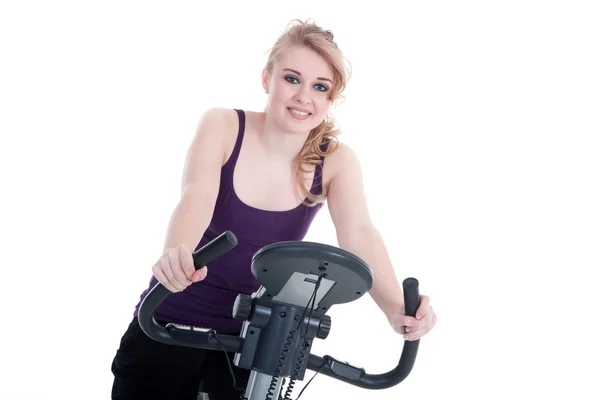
(477, 126)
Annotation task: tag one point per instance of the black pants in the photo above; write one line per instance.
(145, 369)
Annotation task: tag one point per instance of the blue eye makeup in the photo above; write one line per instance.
(324, 88)
(292, 79)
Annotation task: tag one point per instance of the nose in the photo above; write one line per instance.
(303, 94)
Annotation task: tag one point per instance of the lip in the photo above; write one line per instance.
(299, 109)
(298, 117)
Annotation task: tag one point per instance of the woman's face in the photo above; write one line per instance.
(299, 89)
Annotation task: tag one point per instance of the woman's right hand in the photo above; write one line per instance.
(175, 269)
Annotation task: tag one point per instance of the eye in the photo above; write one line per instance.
(292, 79)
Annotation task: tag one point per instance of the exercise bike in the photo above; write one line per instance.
(300, 281)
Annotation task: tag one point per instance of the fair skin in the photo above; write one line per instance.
(301, 80)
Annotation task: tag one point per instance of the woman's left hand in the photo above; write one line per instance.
(414, 328)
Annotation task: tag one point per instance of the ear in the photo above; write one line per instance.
(265, 80)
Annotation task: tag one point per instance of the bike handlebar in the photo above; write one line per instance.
(326, 365)
(356, 376)
(176, 336)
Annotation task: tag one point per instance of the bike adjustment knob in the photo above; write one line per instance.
(242, 306)
(324, 327)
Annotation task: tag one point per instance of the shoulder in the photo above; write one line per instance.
(342, 159)
(219, 117)
(341, 165)
(345, 192)
(218, 127)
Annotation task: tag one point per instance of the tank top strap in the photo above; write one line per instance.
(240, 136)
(228, 168)
(317, 186)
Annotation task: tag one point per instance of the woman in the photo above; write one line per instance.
(264, 176)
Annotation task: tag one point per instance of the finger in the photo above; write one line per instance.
(179, 275)
(417, 324)
(424, 315)
(200, 274)
(415, 335)
(428, 321)
(161, 277)
(187, 261)
(424, 327)
(423, 309)
(165, 267)
(411, 321)
(422, 324)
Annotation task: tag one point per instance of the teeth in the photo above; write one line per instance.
(298, 112)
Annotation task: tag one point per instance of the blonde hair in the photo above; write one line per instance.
(312, 36)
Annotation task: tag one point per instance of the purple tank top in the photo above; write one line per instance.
(209, 303)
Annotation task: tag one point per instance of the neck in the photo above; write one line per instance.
(281, 144)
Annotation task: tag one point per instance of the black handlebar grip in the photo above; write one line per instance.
(412, 299)
(357, 376)
(214, 249)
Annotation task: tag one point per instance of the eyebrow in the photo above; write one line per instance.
(298, 73)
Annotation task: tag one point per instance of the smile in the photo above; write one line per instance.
(299, 114)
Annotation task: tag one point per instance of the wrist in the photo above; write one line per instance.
(393, 310)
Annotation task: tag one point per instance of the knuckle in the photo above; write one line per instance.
(186, 267)
(168, 273)
(179, 272)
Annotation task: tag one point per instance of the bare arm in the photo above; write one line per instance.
(200, 182)
(199, 189)
(357, 234)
